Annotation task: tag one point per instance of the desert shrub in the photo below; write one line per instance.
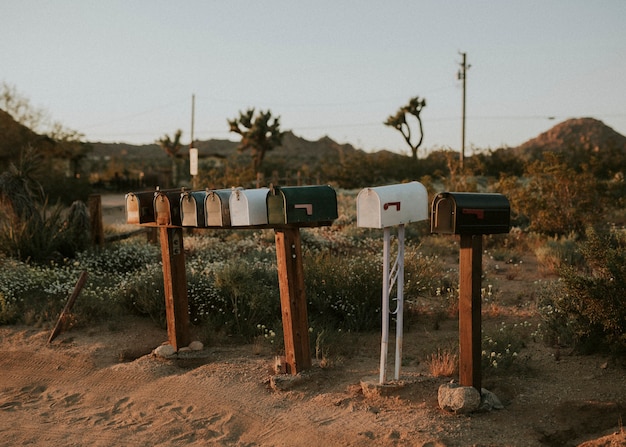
(121, 257)
(553, 199)
(587, 307)
(343, 292)
(247, 295)
(502, 345)
(558, 252)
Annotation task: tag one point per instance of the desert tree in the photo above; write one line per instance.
(260, 133)
(67, 144)
(172, 147)
(399, 122)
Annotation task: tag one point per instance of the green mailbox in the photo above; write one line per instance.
(301, 205)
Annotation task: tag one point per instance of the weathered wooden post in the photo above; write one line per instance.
(175, 286)
(470, 272)
(95, 220)
(293, 299)
(289, 208)
(471, 215)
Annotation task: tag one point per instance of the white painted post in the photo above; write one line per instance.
(384, 344)
(400, 301)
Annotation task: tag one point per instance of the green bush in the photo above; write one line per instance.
(588, 307)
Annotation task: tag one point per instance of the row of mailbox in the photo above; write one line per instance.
(377, 207)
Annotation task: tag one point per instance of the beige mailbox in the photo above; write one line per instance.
(387, 206)
(218, 208)
(192, 208)
(248, 207)
(140, 207)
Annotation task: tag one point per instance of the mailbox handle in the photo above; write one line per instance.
(387, 205)
(480, 214)
(305, 206)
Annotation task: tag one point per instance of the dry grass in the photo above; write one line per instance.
(443, 363)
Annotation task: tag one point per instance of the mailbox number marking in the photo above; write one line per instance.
(305, 206)
(388, 205)
(480, 214)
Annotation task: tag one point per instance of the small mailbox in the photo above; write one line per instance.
(192, 208)
(140, 207)
(470, 213)
(248, 206)
(218, 208)
(167, 207)
(386, 206)
(301, 204)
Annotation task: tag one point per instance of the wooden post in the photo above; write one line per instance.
(175, 285)
(293, 299)
(470, 272)
(95, 220)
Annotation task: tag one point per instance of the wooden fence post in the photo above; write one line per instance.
(175, 287)
(293, 299)
(470, 272)
(95, 220)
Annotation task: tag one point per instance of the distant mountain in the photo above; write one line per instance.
(294, 152)
(579, 134)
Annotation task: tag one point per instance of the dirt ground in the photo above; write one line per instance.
(101, 386)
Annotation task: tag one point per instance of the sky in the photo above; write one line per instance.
(126, 70)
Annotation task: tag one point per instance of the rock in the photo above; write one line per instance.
(458, 399)
(284, 382)
(196, 346)
(489, 401)
(165, 351)
(185, 349)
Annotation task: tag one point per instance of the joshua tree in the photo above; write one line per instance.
(260, 133)
(171, 148)
(399, 122)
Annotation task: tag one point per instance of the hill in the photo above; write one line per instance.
(581, 134)
(294, 153)
(14, 137)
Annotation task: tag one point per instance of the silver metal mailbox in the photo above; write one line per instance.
(248, 207)
(218, 208)
(386, 206)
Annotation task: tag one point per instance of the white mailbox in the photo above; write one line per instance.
(386, 206)
(248, 207)
(218, 209)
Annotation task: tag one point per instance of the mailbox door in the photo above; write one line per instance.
(248, 207)
(302, 204)
(390, 205)
(140, 207)
(188, 210)
(443, 215)
(162, 209)
(218, 209)
(192, 209)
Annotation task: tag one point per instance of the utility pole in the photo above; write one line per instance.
(462, 75)
(193, 152)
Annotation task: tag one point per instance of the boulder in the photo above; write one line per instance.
(458, 399)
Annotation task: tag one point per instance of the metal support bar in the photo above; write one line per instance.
(391, 277)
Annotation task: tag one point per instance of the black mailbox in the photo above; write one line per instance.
(470, 213)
